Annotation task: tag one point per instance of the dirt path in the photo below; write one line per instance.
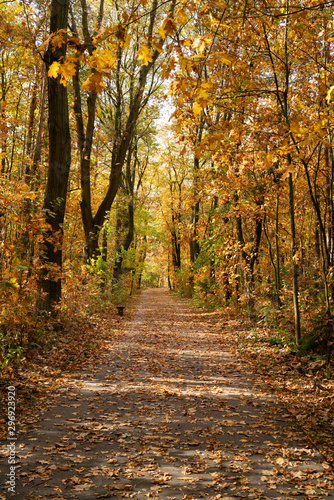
(169, 414)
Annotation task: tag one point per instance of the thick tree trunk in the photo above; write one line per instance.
(176, 252)
(91, 247)
(59, 166)
(85, 137)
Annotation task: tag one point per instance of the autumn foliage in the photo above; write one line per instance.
(230, 202)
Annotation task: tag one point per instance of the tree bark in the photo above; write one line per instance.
(31, 121)
(59, 167)
(124, 232)
(38, 144)
(294, 265)
(194, 243)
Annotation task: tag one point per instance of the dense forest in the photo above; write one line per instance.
(172, 143)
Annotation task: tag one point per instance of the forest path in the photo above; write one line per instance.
(168, 414)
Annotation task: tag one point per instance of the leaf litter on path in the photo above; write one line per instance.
(169, 413)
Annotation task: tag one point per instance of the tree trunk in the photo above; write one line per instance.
(38, 145)
(282, 100)
(31, 121)
(294, 265)
(59, 166)
(250, 257)
(124, 232)
(194, 243)
(141, 260)
(91, 247)
(278, 270)
(5, 85)
(176, 246)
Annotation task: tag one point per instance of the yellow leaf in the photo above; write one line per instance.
(15, 261)
(296, 260)
(267, 160)
(145, 55)
(287, 172)
(203, 94)
(181, 16)
(103, 59)
(54, 70)
(67, 70)
(224, 59)
(200, 43)
(157, 46)
(218, 5)
(166, 28)
(94, 82)
(295, 127)
(197, 109)
(57, 40)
